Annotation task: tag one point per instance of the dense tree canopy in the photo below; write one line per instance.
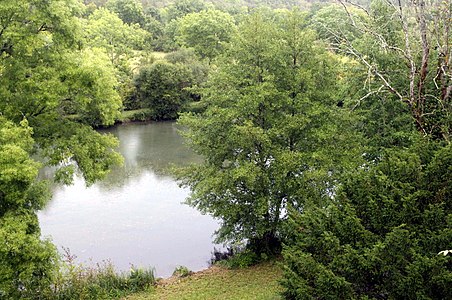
(382, 236)
(45, 79)
(384, 233)
(26, 261)
(130, 11)
(106, 30)
(206, 32)
(161, 87)
(264, 135)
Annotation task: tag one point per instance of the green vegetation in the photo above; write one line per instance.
(26, 262)
(325, 135)
(162, 88)
(256, 282)
(207, 32)
(73, 281)
(135, 115)
(381, 236)
(267, 130)
(182, 271)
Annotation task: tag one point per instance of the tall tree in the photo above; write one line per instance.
(181, 8)
(386, 232)
(44, 78)
(130, 11)
(161, 87)
(106, 30)
(206, 32)
(265, 133)
(26, 261)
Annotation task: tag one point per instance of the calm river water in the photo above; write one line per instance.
(136, 215)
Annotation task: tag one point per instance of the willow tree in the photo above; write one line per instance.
(266, 134)
(46, 81)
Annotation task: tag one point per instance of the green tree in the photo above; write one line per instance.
(41, 77)
(162, 88)
(129, 11)
(265, 133)
(404, 47)
(26, 261)
(206, 32)
(170, 16)
(382, 235)
(181, 8)
(91, 87)
(106, 30)
(44, 78)
(199, 69)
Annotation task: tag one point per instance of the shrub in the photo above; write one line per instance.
(161, 87)
(182, 271)
(238, 256)
(75, 281)
(380, 237)
(242, 260)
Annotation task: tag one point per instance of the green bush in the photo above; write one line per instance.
(380, 237)
(75, 281)
(161, 87)
(242, 259)
(27, 261)
(143, 114)
(182, 271)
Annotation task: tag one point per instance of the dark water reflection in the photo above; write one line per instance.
(135, 215)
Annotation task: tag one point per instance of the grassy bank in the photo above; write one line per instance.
(137, 115)
(256, 282)
(145, 114)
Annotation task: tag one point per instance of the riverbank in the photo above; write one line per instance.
(146, 114)
(217, 282)
(137, 115)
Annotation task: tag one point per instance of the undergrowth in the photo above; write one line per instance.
(102, 281)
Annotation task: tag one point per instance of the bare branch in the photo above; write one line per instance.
(348, 13)
(367, 96)
(358, 6)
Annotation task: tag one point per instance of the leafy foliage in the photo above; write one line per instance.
(44, 78)
(405, 50)
(106, 30)
(92, 88)
(206, 31)
(381, 237)
(130, 11)
(161, 87)
(182, 271)
(264, 134)
(75, 281)
(26, 261)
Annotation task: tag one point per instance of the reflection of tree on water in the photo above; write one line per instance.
(155, 148)
(135, 215)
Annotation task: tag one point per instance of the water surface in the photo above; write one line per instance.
(134, 216)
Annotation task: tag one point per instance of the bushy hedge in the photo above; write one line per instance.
(381, 237)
